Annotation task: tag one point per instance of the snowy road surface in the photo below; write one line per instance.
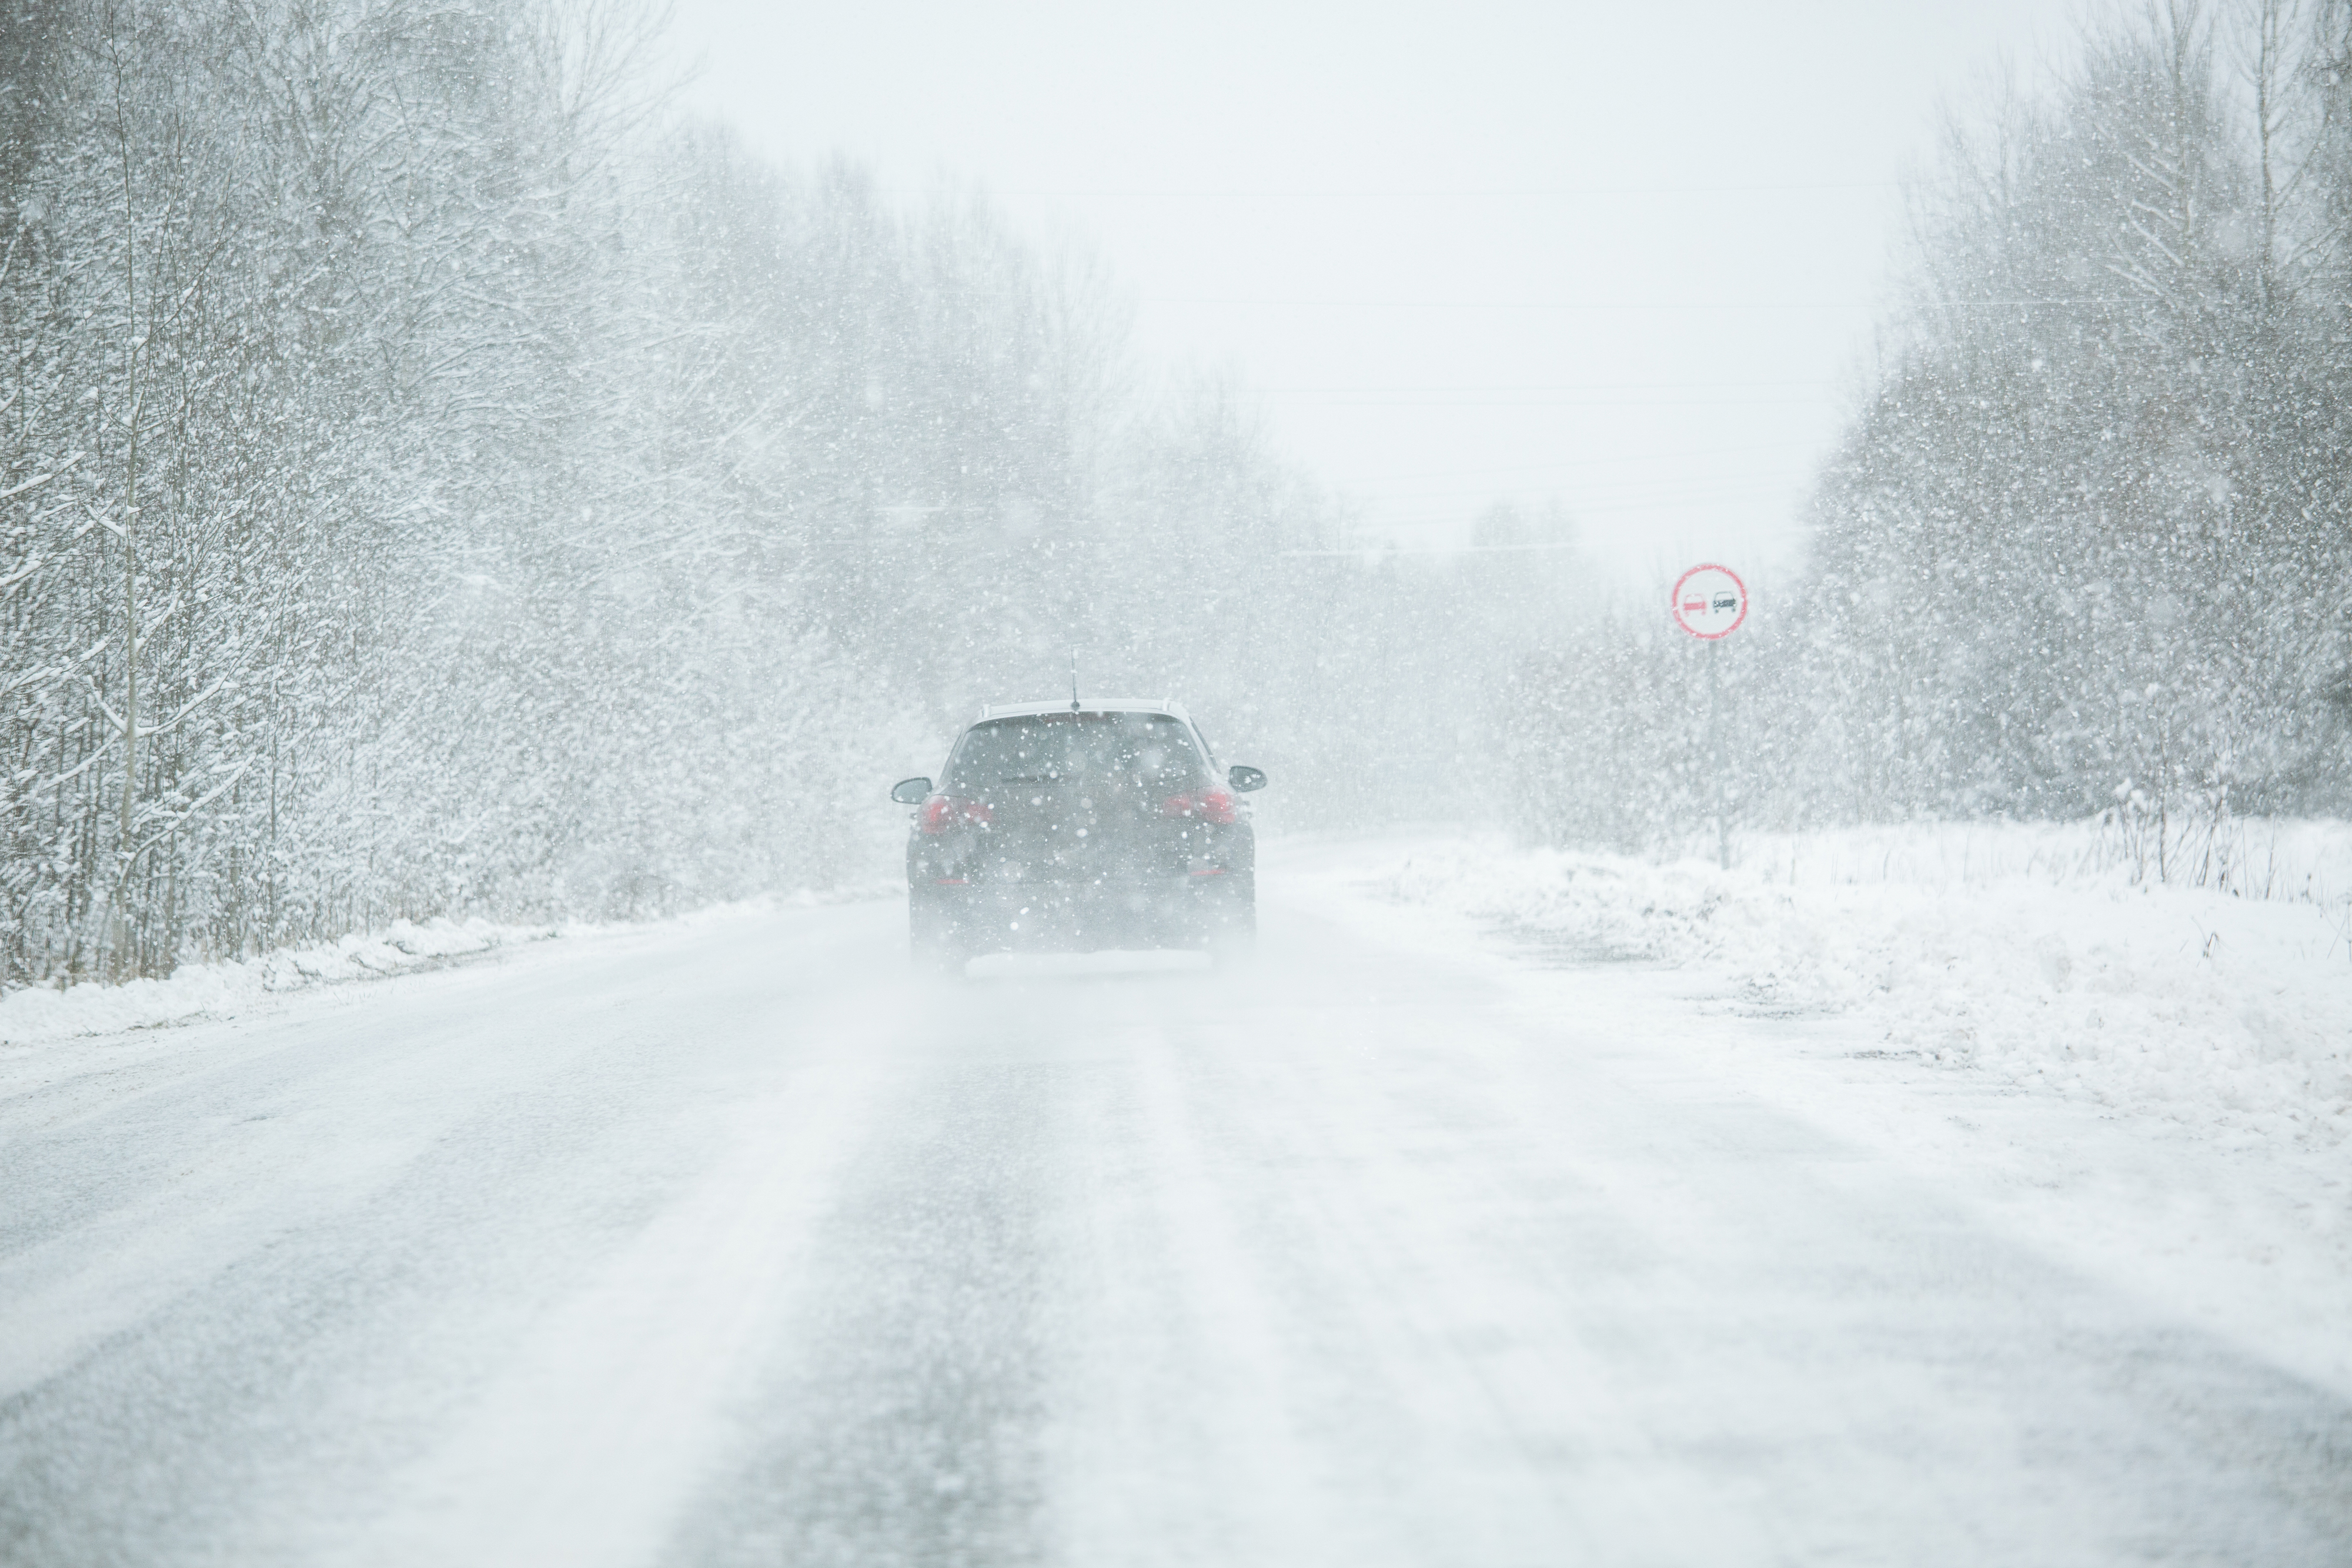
(729, 1243)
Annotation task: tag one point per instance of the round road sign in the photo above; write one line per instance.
(1710, 601)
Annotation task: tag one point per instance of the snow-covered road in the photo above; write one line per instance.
(729, 1243)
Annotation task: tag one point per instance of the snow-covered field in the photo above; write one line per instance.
(2152, 1083)
(2044, 955)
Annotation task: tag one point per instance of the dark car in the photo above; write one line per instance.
(1076, 827)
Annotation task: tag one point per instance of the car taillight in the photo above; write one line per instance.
(1208, 806)
(941, 812)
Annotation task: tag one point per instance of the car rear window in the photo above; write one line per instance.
(1052, 747)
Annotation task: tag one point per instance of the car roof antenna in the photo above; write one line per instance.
(1074, 680)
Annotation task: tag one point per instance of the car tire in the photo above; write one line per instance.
(1233, 929)
(937, 947)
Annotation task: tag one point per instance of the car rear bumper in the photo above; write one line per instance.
(1087, 916)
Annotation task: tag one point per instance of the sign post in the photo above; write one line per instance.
(1710, 602)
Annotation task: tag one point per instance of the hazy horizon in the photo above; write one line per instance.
(1545, 255)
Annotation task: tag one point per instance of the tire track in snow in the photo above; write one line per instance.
(585, 1450)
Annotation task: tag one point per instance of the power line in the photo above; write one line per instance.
(1539, 304)
(1534, 193)
(1630, 304)
(1362, 550)
(1603, 491)
(1564, 402)
(1686, 454)
(1566, 386)
(1743, 494)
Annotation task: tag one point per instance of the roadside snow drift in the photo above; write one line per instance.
(40, 1014)
(2024, 951)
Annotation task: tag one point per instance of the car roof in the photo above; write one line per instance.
(1086, 705)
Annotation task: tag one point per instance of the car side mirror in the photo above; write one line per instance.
(910, 792)
(1244, 779)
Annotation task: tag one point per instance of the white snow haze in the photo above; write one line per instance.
(1625, 257)
(1077, 786)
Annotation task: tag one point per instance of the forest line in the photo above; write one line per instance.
(530, 504)
(2086, 545)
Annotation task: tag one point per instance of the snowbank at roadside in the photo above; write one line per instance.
(197, 990)
(2029, 952)
(41, 1014)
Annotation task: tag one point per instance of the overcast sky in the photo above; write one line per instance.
(1625, 256)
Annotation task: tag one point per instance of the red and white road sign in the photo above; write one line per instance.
(1710, 601)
